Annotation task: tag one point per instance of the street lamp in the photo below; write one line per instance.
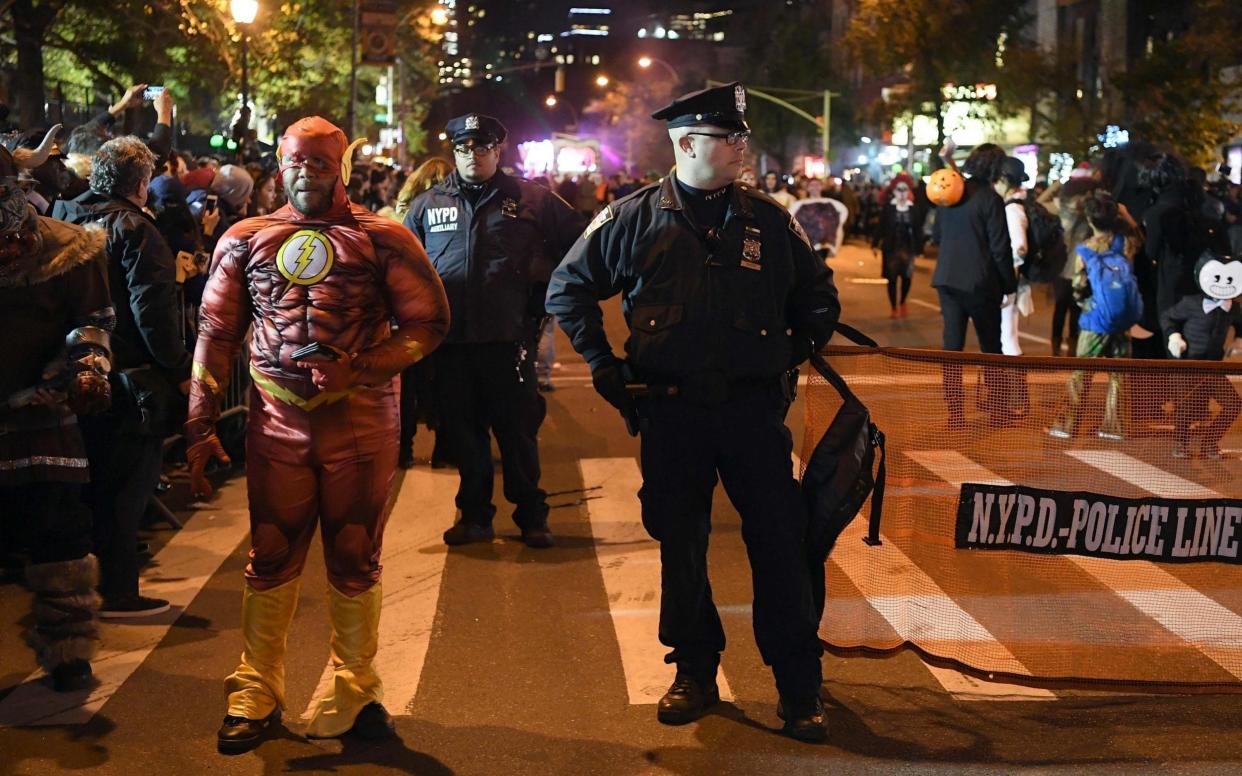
(646, 62)
(552, 102)
(244, 12)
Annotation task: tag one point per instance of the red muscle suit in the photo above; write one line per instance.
(316, 454)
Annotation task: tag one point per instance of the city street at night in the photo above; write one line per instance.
(501, 659)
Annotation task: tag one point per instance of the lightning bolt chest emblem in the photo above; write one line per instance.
(305, 257)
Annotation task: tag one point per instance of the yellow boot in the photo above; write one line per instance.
(355, 684)
(257, 687)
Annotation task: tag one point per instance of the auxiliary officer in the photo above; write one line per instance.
(722, 294)
(494, 240)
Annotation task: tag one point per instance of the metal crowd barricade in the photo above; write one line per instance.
(237, 394)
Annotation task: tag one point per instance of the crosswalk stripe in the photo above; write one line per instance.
(179, 572)
(1178, 607)
(629, 562)
(413, 567)
(1142, 474)
(855, 558)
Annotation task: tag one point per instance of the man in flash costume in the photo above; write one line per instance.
(55, 313)
(321, 444)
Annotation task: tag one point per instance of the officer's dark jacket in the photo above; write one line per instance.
(143, 279)
(746, 304)
(494, 257)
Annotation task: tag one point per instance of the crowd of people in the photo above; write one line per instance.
(156, 264)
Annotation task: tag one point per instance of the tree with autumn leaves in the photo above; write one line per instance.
(1180, 91)
(298, 56)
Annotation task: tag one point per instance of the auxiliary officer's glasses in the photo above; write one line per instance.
(477, 149)
(732, 138)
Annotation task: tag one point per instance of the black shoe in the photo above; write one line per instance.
(405, 458)
(238, 734)
(804, 720)
(132, 606)
(71, 676)
(468, 533)
(686, 700)
(374, 723)
(546, 387)
(539, 538)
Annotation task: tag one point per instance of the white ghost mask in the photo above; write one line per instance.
(1221, 280)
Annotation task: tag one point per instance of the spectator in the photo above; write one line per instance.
(52, 178)
(1066, 201)
(125, 447)
(1108, 252)
(974, 273)
(1168, 228)
(974, 269)
(264, 199)
(428, 174)
(417, 382)
(900, 240)
(774, 186)
(52, 283)
(1009, 187)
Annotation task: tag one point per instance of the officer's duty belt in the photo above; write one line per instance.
(709, 388)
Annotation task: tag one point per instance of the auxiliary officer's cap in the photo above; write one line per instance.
(477, 127)
(720, 106)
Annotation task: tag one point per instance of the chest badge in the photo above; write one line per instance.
(305, 257)
(509, 208)
(752, 249)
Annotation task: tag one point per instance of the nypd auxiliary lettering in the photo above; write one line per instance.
(441, 219)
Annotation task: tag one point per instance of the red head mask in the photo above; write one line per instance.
(318, 142)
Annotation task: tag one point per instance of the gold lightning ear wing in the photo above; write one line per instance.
(347, 161)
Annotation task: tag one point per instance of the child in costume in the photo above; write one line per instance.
(1196, 328)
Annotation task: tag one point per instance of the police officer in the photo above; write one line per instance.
(494, 240)
(722, 294)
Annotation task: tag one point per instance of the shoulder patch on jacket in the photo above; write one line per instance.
(601, 218)
(797, 229)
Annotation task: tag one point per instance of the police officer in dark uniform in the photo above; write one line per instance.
(494, 241)
(723, 294)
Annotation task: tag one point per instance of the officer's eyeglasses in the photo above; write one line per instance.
(477, 150)
(733, 138)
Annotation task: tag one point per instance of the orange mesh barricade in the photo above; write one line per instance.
(1039, 518)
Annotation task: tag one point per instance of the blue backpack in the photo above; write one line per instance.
(1115, 303)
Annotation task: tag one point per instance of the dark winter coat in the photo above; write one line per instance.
(495, 255)
(143, 279)
(975, 254)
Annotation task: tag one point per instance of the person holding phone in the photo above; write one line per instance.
(319, 280)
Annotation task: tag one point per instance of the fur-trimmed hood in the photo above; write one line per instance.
(65, 246)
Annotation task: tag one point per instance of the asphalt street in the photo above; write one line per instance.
(499, 659)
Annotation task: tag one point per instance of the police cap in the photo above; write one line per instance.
(720, 106)
(475, 126)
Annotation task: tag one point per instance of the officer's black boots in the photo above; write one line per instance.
(538, 538)
(374, 723)
(686, 700)
(468, 533)
(804, 720)
(238, 734)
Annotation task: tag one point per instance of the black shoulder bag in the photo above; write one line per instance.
(839, 474)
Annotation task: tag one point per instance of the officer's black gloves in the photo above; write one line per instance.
(609, 382)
